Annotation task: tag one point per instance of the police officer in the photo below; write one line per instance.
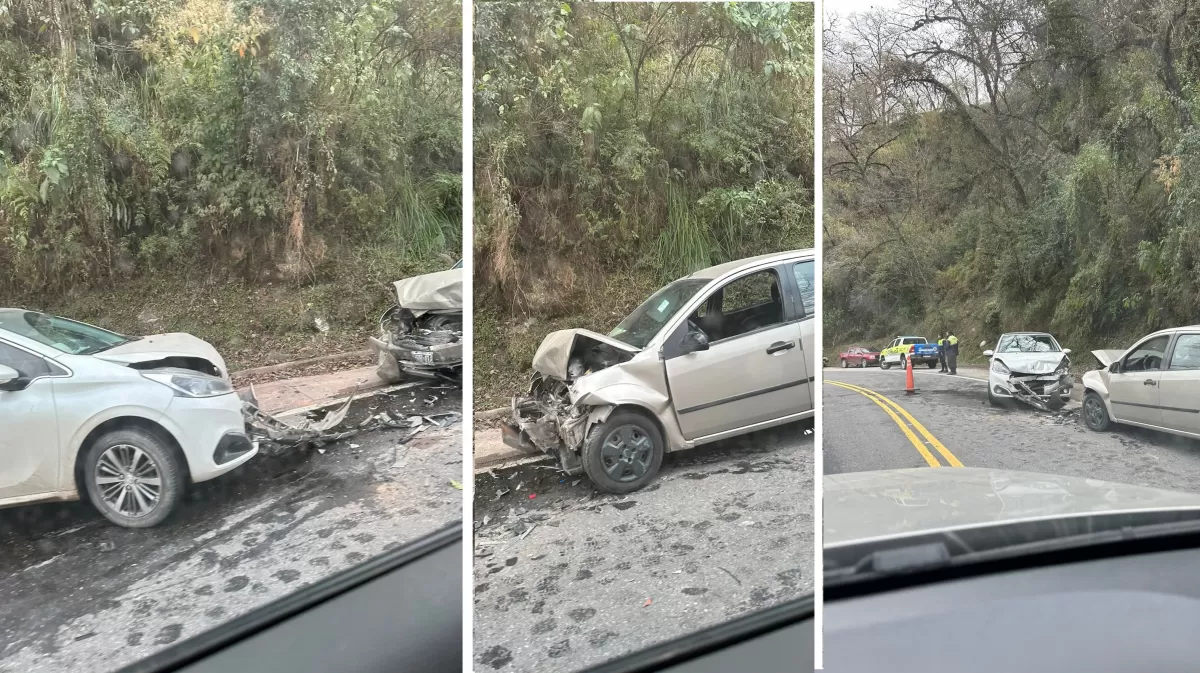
(952, 352)
(942, 352)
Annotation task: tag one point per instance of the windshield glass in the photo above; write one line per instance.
(1027, 343)
(61, 334)
(646, 320)
(912, 340)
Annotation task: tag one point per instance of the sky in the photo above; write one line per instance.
(844, 7)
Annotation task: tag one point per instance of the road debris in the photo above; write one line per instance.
(456, 484)
(276, 434)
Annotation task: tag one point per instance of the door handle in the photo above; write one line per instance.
(1149, 382)
(780, 346)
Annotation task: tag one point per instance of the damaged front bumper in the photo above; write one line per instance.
(428, 346)
(1043, 392)
(545, 421)
(275, 435)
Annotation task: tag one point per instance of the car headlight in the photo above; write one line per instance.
(999, 368)
(1062, 368)
(191, 385)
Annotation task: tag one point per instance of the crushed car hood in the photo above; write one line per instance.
(1031, 363)
(1107, 357)
(553, 356)
(162, 346)
(865, 505)
(440, 291)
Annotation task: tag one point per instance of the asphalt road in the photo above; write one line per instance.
(81, 595)
(858, 435)
(725, 530)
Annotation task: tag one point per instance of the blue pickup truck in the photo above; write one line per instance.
(905, 348)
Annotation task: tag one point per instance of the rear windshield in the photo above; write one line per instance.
(912, 340)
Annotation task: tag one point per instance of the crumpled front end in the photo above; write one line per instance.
(428, 346)
(422, 334)
(546, 419)
(1043, 384)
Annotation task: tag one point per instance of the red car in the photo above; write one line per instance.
(859, 356)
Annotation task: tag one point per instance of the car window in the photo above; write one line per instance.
(27, 364)
(912, 340)
(808, 289)
(1187, 352)
(1146, 357)
(750, 303)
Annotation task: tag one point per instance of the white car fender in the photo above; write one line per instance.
(74, 445)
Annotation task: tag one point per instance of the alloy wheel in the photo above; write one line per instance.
(129, 480)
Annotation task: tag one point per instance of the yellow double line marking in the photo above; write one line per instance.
(907, 424)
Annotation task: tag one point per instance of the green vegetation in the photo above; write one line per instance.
(183, 156)
(996, 165)
(620, 146)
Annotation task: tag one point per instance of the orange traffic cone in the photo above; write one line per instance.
(909, 387)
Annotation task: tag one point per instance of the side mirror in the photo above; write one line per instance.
(1115, 368)
(1066, 351)
(989, 353)
(10, 379)
(693, 341)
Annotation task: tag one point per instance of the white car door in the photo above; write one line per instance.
(29, 442)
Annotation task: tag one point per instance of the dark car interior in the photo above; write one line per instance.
(743, 305)
(1127, 606)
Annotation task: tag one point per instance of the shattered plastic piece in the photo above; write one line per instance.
(527, 531)
(500, 493)
(487, 518)
(532, 496)
(648, 603)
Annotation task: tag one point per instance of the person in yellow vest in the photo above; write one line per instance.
(942, 353)
(952, 353)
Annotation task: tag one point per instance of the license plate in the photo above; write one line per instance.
(424, 357)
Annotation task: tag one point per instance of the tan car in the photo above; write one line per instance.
(1155, 384)
(722, 352)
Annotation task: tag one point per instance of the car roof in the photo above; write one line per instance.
(1029, 333)
(738, 264)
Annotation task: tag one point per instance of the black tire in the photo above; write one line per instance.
(884, 364)
(931, 365)
(862, 363)
(166, 463)
(992, 399)
(903, 362)
(844, 363)
(627, 480)
(1095, 416)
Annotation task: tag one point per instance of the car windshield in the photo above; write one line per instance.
(61, 334)
(639, 327)
(912, 340)
(1027, 343)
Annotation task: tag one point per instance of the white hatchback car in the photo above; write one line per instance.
(1029, 366)
(131, 421)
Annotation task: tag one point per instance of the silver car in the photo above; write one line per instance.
(722, 352)
(1155, 384)
(1030, 367)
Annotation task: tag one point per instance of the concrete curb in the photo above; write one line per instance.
(491, 414)
(299, 364)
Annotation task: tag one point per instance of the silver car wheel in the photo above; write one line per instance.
(129, 480)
